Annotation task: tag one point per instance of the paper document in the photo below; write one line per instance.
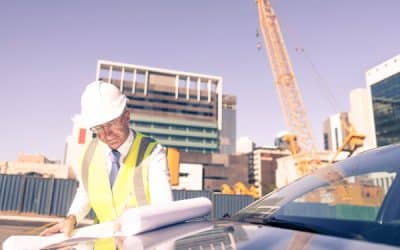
(142, 219)
(132, 221)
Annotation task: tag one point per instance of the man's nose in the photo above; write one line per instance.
(107, 131)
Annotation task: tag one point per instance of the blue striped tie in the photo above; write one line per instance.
(114, 156)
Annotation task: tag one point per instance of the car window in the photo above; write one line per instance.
(351, 198)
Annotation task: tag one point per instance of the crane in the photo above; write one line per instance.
(300, 139)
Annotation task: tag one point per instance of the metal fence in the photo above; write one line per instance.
(11, 192)
(63, 194)
(32, 194)
(49, 196)
(37, 195)
(225, 205)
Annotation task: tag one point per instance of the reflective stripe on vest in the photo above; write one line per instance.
(131, 187)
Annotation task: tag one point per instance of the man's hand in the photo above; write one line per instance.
(66, 226)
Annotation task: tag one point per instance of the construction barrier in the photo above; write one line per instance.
(226, 205)
(37, 195)
(53, 197)
(11, 192)
(63, 194)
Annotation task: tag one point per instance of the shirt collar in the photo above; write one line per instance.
(124, 148)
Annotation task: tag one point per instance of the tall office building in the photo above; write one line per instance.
(361, 117)
(383, 82)
(334, 131)
(179, 109)
(263, 166)
(228, 133)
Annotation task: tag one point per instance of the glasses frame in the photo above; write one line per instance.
(115, 123)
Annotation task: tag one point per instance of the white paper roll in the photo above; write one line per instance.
(132, 221)
(142, 219)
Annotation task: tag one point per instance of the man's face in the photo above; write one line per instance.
(115, 132)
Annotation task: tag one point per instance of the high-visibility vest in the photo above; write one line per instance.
(131, 186)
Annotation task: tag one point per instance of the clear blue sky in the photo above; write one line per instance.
(49, 50)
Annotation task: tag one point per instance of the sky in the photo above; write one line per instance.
(49, 51)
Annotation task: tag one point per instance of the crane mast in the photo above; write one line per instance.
(289, 95)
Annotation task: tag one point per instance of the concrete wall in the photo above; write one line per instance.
(45, 169)
(190, 177)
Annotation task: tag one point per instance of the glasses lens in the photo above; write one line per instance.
(110, 125)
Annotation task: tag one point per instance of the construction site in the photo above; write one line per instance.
(191, 116)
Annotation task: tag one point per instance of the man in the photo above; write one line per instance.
(120, 168)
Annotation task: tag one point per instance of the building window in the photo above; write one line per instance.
(337, 138)
(326, 142)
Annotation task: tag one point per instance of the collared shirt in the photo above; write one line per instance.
(159, 187)
(123, 150)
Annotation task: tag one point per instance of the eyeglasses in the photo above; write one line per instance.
(113, 124)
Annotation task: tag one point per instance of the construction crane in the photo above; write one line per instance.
(300, 140)
(351, 142)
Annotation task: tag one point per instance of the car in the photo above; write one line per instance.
(351, 204)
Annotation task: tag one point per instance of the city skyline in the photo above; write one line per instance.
(50, 51)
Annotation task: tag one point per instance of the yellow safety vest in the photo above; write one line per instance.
(131, 187)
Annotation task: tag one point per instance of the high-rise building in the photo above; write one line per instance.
(179, 109)
(262, 167)
(334, 131)
(383, 82)
(361, 117)
(228, 133)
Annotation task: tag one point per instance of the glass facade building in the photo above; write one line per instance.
(386, 108)
(179, 109)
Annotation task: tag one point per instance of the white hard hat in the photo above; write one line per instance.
(101, 102)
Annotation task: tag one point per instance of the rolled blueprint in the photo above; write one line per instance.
(146, 218)
(132, 221)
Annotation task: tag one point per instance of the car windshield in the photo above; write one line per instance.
(355, 198)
